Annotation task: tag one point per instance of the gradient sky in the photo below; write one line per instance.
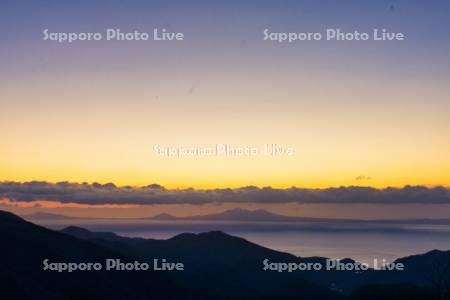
(92, 111)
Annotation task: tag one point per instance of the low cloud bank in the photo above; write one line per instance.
(99, 194)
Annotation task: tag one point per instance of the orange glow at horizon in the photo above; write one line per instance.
(103, 129)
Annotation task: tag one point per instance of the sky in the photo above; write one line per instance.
(356, 113)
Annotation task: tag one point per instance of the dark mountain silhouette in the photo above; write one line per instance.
(24, 246)
(217, 266)
(210, 256)
(432, 268)
(212, 251)
(207, 252)
(87, 234)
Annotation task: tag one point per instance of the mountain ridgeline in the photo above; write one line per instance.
(217, 266)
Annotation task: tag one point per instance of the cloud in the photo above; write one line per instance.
(58, 204)
(363, 177)
(101, 194)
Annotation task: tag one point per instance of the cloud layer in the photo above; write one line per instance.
(101, 194)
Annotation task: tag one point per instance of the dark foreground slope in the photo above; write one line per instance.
(217, 266)
(24, 246)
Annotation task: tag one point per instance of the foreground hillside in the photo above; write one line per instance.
(216, 266)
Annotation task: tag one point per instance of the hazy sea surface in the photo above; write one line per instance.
(362, 242)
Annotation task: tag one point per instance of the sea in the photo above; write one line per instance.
(363, 241)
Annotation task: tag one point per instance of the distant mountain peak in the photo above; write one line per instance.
(240, 214)
(216, 234)
(75, 229)
(47, 216)
(87, 234)
(163, 216)
(234, 214)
